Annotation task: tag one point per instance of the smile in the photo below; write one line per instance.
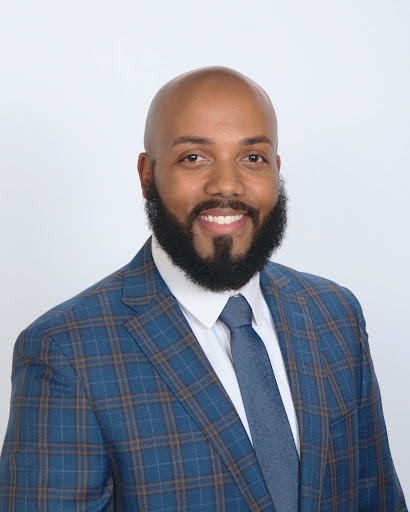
(222, 219)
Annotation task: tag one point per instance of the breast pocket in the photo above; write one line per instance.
(346, 426)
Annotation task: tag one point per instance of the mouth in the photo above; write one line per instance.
(222, 219)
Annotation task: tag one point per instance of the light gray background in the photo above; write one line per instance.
(76, 80)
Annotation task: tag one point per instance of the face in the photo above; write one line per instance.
(216, 167)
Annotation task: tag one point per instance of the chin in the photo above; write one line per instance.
(205, 248)
(209, 251)
(238, 252)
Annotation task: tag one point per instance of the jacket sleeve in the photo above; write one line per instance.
(379, 486)
(54, 457)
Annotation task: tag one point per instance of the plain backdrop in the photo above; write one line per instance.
(76, 80)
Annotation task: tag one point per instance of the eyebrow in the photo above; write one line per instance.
(191, 140)
(249, 141)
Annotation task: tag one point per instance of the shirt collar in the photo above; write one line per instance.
(204, 304)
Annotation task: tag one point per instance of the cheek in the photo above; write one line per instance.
(178, 195)
(266, 197)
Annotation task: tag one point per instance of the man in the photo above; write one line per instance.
(201, 376)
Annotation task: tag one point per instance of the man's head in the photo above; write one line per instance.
(210, 175)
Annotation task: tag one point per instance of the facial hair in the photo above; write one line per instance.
(222, 271)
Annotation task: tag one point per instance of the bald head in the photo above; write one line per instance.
(212, 134)
(201, 86)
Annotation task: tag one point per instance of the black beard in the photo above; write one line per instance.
(222, 271)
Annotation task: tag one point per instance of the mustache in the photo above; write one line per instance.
(223, 203)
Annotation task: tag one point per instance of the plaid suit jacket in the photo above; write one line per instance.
(116, 408)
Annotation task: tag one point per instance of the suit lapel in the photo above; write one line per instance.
(298, 341)
(163, 334)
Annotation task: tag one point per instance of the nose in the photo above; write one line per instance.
(225, 180)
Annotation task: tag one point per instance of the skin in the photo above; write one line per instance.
(212, 134)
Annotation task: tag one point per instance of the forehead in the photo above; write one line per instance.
(217, 111)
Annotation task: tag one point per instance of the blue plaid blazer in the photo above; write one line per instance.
(116, 408)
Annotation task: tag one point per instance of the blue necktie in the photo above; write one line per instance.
(271, 434)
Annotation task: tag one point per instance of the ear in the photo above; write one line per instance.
(279, 162)
(145, 174)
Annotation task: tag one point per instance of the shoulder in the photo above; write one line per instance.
(78, 327)
(316, 292)
(86, 305)
(312, 306)
(103, 299)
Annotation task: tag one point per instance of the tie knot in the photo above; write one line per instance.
(236, 313)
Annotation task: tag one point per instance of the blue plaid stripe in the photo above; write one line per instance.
(116, 408)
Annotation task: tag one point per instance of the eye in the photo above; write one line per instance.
(192, 158)
(256, 159)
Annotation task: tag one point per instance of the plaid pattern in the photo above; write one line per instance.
(116, 408)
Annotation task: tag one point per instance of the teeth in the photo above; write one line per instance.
(228, 219)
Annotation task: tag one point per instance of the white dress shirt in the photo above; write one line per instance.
(202, 308)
